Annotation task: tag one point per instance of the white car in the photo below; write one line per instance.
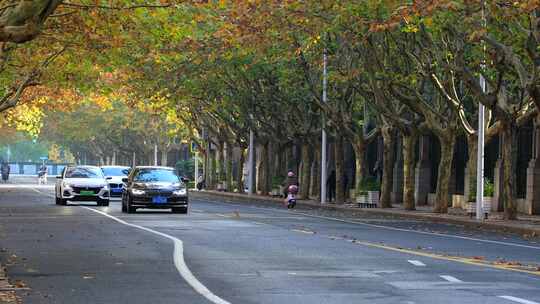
(82, 183)
(114, 175)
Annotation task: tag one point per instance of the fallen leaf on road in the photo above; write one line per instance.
(19, 284)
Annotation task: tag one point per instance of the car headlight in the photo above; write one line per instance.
(106, 187)
(67, 186)
(180, 192)
(137, 192)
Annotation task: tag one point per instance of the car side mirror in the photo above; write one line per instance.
(125, 179)
(184, 179)
(59, 176)
(108, 178)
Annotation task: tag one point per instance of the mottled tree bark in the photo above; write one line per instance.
(409, 142)
(340, 170)
(359, 148)
(240, 173)
(229, 167)
(315, 189)
(306, 171)
(509, 157)
(442, 197)
(472, 163)
(388, 166)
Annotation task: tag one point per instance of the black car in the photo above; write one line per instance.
(154, 187)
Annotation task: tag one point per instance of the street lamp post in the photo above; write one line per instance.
(480, 155)
(324, 151)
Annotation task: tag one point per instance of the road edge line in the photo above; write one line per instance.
(178, 257)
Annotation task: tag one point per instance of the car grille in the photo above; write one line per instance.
(115, 185)
(79, 189)
(158, 192)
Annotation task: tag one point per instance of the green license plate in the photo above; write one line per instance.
(86, 192)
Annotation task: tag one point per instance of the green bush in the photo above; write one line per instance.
(489, 188)
(369, 184)
(277, 181)
(186, 168)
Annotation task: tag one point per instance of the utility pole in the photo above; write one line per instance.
(251, 160)
(324, 136)
(480, 156)
(134, 159)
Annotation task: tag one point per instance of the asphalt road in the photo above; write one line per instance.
(229, 253)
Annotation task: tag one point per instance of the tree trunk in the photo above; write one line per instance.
(240, 173)
(472, 163)
(359, 148)
(409, 144)
(211, 169)
(315, 184)
(340, 170)
(388, 167)
(442, 197)
(264, 170)
(306, 171)
(509, 159)
(164, 156)
(220, 162)
(229, 167)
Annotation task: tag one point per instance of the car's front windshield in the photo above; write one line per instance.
(156, 175)
(115, 171)
(83, 172)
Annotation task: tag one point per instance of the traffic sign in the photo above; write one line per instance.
(44, 158)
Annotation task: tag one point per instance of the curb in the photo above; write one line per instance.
(518, 228)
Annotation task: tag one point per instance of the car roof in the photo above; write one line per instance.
(82, 166)
(154, 167)
(127, 167)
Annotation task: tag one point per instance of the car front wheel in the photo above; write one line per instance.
(124, 209)
(130, 209)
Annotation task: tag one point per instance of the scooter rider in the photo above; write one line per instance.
(290, 180)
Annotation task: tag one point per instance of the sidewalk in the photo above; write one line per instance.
(528, 226)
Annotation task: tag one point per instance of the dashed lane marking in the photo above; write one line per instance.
(416, 263)
(518, 300)
(303, 231)
(451, 279)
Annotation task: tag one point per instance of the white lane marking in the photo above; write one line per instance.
(517, 300)
(416, 263)
(178, 256)
(303, 231)
(385, 227)
(451, 279)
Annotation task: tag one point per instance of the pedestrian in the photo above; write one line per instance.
(42, 175)
(4, 169)
(331, 185)
(291, 179)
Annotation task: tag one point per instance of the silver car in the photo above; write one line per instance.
(82, 183)
(114, 175)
